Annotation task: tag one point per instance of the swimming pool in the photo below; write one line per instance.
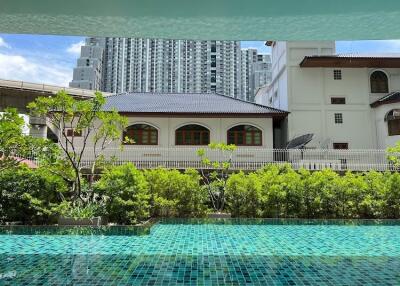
(205, 252)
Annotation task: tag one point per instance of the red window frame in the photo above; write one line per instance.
(140, 133)
(244, 133)
(204, 134)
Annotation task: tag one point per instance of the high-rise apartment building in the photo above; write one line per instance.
(156, 65)
(255, 72)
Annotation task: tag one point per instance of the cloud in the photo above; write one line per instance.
(75, 48)
(3, 44)
(17, 67)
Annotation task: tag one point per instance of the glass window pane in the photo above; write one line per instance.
(179, 138)
(196, 138)
(231, 138)
(153, 138)
(205, 138)
(249, 137)
(145, 138)
(188, 138)
(239, 138)
(257, 138)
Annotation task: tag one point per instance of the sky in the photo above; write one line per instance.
(51, 59)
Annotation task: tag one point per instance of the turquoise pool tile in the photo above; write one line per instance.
(209, 252)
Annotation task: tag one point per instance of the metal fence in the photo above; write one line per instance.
(245, 158)
(252, 158)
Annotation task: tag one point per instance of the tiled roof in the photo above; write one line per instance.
(362, 55)
(377, 60)
(387, 99)
(185, 103)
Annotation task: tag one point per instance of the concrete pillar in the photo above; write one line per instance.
(37, 127)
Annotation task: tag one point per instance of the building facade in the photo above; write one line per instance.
(119, 65)
(157, 65)
(255, 71)
(334, 96)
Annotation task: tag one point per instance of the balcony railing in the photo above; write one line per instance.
(251, 158)
(248, 158)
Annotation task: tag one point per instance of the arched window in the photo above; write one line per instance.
(379, 82)
(393, 121)
(245, 135)
(192, 134)
(140, 134)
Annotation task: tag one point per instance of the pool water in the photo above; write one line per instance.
(210, 252)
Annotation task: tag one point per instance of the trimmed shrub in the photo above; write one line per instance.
(127, 194)
(243, 195)
(176, 194)
(29, 196)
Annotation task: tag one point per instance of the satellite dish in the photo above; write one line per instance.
(299, 142)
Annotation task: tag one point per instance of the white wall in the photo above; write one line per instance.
(306, 93)
(218, 128)
(384, 140)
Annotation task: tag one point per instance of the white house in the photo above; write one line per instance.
(168, 128)
(346, 101)
(194, 119)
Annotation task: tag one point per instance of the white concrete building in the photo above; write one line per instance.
(346, 101)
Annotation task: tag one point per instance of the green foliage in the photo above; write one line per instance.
(81, 211)
(393, 154)
(215, 181)
(243, 194)
(63, 111)
(127, 194)
(29, 196)
(176, 194)
(282, 192)
(14, 145)
(391, 196)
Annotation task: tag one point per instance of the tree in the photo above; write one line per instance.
(15, 147)
(87, 119)
(216, 180)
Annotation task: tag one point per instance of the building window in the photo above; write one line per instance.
(341, 146)
(71, 132)
(213, 76)
(192, 134)
(379, 82)
(338, 100)
(337, 74)
(393, 121)
(140, 134)
(213, 47)
(213, 61)
(338, 118)
(245, 135)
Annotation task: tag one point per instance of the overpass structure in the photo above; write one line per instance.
(18, 94)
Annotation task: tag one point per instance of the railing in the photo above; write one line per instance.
(252, 158)
(248, 158)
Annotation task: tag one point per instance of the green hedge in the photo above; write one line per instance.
(282, 192)
(176, 194)
(128, 195)
(29, 196)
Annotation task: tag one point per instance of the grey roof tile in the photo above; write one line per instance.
(196, 103)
